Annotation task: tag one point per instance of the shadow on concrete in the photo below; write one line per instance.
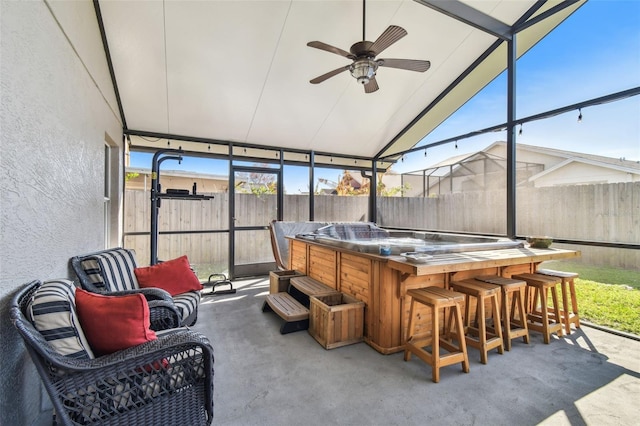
(263, 377)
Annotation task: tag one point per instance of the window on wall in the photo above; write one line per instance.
(107, 195)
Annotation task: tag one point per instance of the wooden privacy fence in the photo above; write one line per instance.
(603, 212)
(201, 225)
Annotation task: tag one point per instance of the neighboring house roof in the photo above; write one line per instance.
(565, 163)
(543, 166)
(177, 173)
(562, 167)
(600, 159)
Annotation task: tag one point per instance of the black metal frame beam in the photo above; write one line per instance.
(157, 135)
(524, 24)
(232, 207)
(105, 45)
(445, 92)
(312, 167)
(512, 56)
(518, 25)
(470, 16)
(547, 114)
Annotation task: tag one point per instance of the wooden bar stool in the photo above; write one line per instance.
(478, 336)
(436, 298)
(514, 317)
(568, 316)
(539, 316)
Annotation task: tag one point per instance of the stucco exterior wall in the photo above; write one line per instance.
(57, 113)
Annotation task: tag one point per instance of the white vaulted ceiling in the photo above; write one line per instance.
(239, 71)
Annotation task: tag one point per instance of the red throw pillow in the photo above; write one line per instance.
(175, 276)
(113, 323)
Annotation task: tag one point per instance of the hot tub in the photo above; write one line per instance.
(368, 238)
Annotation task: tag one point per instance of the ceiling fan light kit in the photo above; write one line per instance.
(363, 54)
(363, 70)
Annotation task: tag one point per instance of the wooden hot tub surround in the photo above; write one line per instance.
(381, 282)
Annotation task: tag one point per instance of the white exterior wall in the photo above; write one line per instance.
(57, 112)
(577, 173)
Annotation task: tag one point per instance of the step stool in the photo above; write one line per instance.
(294, 314)
(301, 288)
(478, 336)
(539, 315)
(512, 304)
(436, 298)
(568, 316)
(293, 306)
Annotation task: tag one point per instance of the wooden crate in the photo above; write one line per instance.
(279, 280)
(336, 320)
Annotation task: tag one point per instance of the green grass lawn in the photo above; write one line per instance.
(606, 296)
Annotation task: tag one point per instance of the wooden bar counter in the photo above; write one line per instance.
(381, 282)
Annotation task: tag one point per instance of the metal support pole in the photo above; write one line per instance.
(155, 196)
(312, 166)
(511, 137)
(425, 180)
(232, 210)
(280, 190)
(373, 193)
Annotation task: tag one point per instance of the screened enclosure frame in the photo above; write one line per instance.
(390, 154)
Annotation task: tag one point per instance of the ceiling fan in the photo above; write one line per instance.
(363, 54)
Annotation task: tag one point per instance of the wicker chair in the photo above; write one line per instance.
(111, 272)
(167, 381)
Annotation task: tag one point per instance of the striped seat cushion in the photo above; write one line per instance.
(52, 312)
(187, 303)
(112, 270)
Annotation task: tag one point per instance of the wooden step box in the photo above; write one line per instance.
(279, 280)
(336, 320)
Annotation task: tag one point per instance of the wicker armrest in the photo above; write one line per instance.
(149, 293)
(163, 315)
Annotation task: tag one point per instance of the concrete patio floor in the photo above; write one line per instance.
(262, 377)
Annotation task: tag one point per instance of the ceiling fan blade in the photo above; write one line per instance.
(387, 38)
(328, 75)
(328, 48)
(371, 86)
(405, 64)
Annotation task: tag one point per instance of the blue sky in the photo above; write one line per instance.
(595, 52)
